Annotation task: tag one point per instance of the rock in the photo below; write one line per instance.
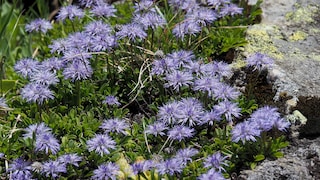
(289, 33)
(283, 168)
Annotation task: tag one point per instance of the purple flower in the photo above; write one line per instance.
(177, 79)
(186, 154)
(101, 144)
(20, 169)
(150, 19)
(77, 46)
(34, 92)
(245, 131)
(44, 77)
(142, 166)
(137, 167)
(259, 61)
(180, 58)
(53, 168)
(228, 109)
(115, 125)
(230, 9)
(225, 92)
(203, 16)
(186, 28)
(70, 12)
(281, 124)
(77, 70)
(58, 45)
(219, 69)
(190, 111)
(36, 129)
(38, 25)
(193, 67)
(143, 6)
(210, 117)
(106, 171)
(97, 28)
(180, 133)
(52, 64)
(104, 10)
(217, 3)
(264, 117)
(3, 104)
(157, 128)
(206, 84)
(212, 174)
(267, 117)
(215, 161)
(78, 50)
(70, 159)
(170, 166)
(102, 42)
(25, 67)
(187, 5)
(131, 31)
(47, 142)
(111, 100)
(90, 3)
(167, 113)
(159, 67)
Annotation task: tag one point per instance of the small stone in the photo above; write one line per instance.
(291, 103)
(300, 117)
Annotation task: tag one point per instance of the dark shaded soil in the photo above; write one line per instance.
(310, 108)
(255, 85)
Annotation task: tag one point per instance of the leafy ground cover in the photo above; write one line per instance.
(133, 90)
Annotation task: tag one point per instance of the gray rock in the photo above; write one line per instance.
(290, 33)
(284, 168)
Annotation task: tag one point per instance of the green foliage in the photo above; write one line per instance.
(77, 111)
(247, 106)
(14, 42)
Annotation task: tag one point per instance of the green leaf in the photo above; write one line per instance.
(259, 157)
(253, 165)
(6, 21)
(7, 85)
(277, 154)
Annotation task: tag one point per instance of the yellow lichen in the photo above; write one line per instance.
(297, 36)
(259, 40)
(302, 14)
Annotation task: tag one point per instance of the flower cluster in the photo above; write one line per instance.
(39, 25)
(198, 16)
(47, 143)
(262, 120)
(206, 103)
(44, 139)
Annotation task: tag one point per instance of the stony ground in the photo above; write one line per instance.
(290, 33)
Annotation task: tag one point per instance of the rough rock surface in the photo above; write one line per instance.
(290, 33)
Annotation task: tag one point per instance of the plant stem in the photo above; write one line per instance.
(78, 97)
(165, 143)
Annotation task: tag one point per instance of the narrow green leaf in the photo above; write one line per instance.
(6, 21)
